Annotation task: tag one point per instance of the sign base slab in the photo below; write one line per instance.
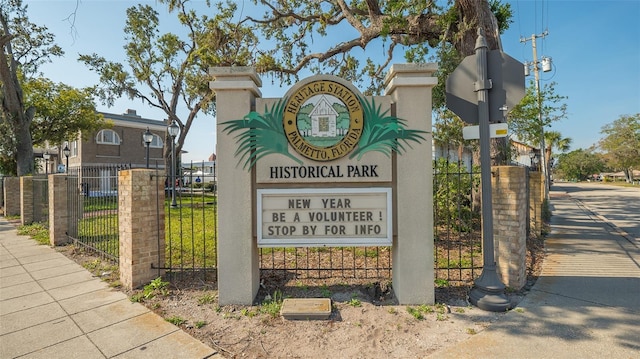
(306, 308)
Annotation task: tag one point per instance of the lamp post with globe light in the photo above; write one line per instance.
(173, 129)
(66, 153)
(46, 157)
(534, 160)
(147, 137)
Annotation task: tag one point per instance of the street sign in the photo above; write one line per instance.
(507, 87)
(495, 130)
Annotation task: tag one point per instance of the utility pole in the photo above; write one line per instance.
(546, 62)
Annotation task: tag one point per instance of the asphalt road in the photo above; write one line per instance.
(617, 205)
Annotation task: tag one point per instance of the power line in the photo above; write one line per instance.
(544, 21)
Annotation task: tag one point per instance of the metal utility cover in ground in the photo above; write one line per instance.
(507, 87)
(306, 308)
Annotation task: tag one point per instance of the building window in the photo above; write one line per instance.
(107, 137)
(73, 146)
(156, 142)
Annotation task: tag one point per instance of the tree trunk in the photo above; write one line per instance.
(168, 159)
(166, 154)
(24, 145)
(13, 109)
(475, 13)
(476, 193)
(628, 174)
(547, 163)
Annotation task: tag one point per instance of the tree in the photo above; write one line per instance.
(554, 139)
(579, 164)
(61, 113)
(524, 119)
(25, 46)
(7, 149)
(170, 72)
(622, 144)
(159, 62)
(539, 108)
(413, 25)
(410, 28)
(447, 132)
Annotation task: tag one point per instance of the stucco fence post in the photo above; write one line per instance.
(509, 192)
(410, 88)
(141, 226)
(238, 258)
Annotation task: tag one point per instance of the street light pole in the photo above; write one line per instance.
(531, 156)
(147, 137)
(46, 157)
(66, 153)
(173, 132)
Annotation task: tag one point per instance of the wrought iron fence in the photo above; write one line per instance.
(191, 225)
(457, 232)
(327, 262)
(191, 230)
(93, 208)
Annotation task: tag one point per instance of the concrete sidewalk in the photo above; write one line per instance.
(50, 307)
(586, 303)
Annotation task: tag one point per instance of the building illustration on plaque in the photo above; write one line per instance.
(323, 119)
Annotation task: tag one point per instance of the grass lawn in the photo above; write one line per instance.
(191, 235)
(190, 231)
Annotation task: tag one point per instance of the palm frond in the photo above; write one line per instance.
(382, 133)
(260, 135)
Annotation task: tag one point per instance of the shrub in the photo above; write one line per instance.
(546, 211)
(452, 189)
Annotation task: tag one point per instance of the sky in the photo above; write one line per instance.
(594, 46)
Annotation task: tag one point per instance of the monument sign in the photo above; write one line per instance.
(325, 166)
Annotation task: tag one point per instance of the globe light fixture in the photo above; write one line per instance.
(46, 157)
(66, 151)
(147, 137)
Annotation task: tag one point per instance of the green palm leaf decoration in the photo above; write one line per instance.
(382, 133)
(261, 135)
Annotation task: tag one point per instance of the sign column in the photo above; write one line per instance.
(238, 268)
(410, 87)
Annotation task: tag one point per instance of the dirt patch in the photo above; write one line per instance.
(366, 320)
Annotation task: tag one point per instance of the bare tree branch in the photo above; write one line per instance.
(294, 24)
(334, 19)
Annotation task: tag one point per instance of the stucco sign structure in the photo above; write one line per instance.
(325, 165)
(323, 119)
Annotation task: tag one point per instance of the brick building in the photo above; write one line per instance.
(120, 143)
